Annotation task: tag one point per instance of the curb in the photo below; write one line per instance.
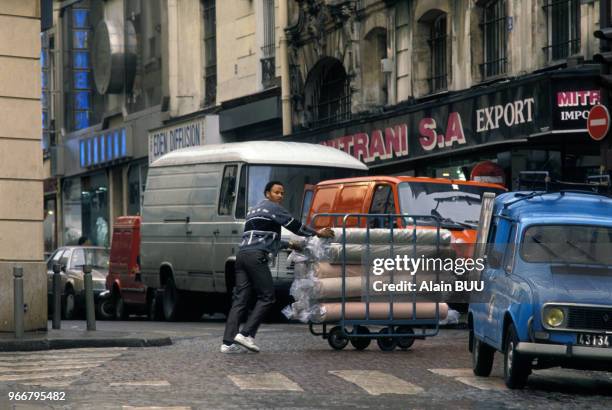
(53, 344)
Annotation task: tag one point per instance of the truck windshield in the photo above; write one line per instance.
(293, 178)
(568, 244)
(450, 202)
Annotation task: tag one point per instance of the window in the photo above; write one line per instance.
(493, 256)
(382, 203)
(145, 90)
(55, 258)
(494, 30)
(509, 256)
(437, 45)
(47, 64)
(79, 87)
(228, 190)
(306, 203)
(563, 28)
(83, 105)
(137, 177)
(327, 94)
(268, 62)
(241, 202)
(567, 244)
(210, 52)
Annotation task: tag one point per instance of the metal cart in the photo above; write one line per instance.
(391, 332)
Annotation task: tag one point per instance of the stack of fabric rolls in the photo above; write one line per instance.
(325, 266)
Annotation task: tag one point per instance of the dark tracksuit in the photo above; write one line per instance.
(261, 237)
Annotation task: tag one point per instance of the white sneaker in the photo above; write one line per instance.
(246, 342)
(231, 349)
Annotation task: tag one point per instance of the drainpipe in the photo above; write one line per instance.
(283, 10)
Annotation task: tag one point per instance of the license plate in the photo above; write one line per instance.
(595, 340)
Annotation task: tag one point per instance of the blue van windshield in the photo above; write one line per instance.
(568, 244)
(293, 178)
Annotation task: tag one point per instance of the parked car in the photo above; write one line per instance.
(194, 210)
(71, 260)
(547, 298)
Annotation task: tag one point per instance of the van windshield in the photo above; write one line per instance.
(568, 244)
(455, 202)
(293, 178)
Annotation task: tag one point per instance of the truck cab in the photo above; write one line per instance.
(456, 203)
(547, 297)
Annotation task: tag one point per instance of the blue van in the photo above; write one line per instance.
(547, 298)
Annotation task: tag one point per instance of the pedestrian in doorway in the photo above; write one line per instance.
(261, 240)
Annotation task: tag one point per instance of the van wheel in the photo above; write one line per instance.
(482, 356)
(105, 309)
(155, 306)
(516, 367)
(120, 311)
(171, 301)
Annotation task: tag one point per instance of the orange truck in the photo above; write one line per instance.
(455, 203)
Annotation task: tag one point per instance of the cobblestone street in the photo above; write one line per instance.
(294, 370)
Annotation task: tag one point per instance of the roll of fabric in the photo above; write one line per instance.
(359, 253)
(324, 270)
(422, 234)
(359, 287)
(331, 312)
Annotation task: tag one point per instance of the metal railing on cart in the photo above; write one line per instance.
(394, 331)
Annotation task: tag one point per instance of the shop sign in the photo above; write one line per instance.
(104, 148)
(575, 105)
(184, 135)
(495, 116)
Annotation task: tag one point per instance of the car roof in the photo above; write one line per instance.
(72, 247)
(401, 178)
(263, 152)
(570, 207)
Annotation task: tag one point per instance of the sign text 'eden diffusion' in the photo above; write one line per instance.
(172, 138)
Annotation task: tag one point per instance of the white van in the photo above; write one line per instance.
(194, 208)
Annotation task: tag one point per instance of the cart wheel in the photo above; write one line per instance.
(406, 342)
(361, 343)
(386, 344)
(336, 338)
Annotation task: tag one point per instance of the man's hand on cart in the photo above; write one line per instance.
(325, 233)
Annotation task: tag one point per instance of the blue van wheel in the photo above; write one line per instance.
(516, 367)
(482, 356)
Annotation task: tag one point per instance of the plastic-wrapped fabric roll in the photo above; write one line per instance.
(358, 253)
(423, 235)
(324, 270)
(331, 312)
(355, 287)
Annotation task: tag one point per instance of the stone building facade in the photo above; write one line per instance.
(366, 74)
(21, 163)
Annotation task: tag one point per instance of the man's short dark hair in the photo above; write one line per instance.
(270, 184)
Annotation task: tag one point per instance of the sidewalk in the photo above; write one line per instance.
(70, 337)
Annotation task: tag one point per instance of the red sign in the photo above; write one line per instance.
(488, 171)
(598, 122)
